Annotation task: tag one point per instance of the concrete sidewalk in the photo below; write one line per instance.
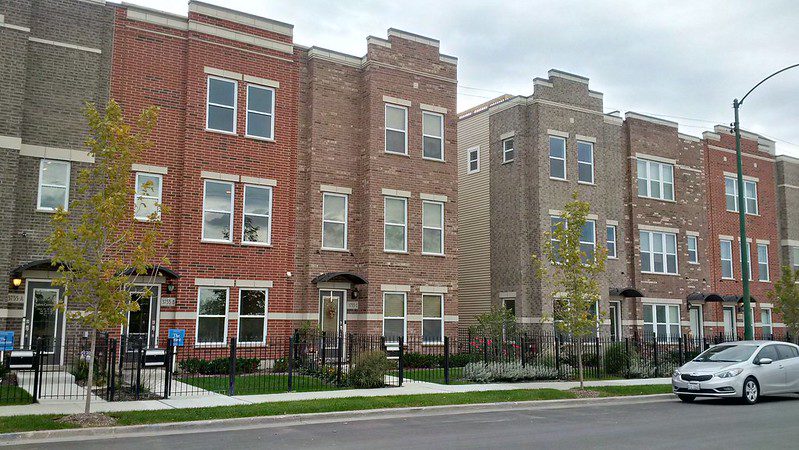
(409, 387)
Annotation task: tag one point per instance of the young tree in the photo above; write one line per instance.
(98, 251)
(571, 270)
(786, 297)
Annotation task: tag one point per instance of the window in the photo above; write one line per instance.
(433, 228)
(396, 129)
(221, 113)
(750, 195)
(510, 305)
(693, 254)
(585, 162)
(658, 252)
(553, 225)
(474, 160)
(252, 315)
(765, 320)
(557, 158)
(662, 321)
(212, 306)
(260, 112)
(257, 222)
(729, 321)
(695, 321)
(334, 221)
(147, 201)
(795, 258)
(786, 351)
(508, 153)
(726, 259)
(432, 318)
(762, 262)
(395, 224)
(218, 211)
(611, 241)
(53, 185)
(432, 135)
(588, 240)
(393, 316)
(749, 259)
(655, 180)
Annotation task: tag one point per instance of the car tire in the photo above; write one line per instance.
(687, 398)
(751, 391)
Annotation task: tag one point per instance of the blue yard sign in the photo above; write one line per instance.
(6, 340)
(177, 336)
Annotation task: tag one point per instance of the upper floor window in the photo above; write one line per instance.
(217, 211)
(749, 259)
(334, 221)
(257, 223)
(557, 157)
(658, 252)
(726, 259)
(396, 129)
(693, 255)
(147, 201)
(221, 113)
(585, 162)
(611, 241)
(750, 195)
(588, 240)
(395, 225)
(762, 262)
(554, 222)
(433, 228)
(53, 185)
(794, 257)
(508, 153)
(260, 112)
(474, 160)
(432, 135)
(655, 180)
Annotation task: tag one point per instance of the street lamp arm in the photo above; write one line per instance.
(764, 80)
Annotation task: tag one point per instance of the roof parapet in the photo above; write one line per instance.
(567, 76)
(788, 159)
(232, 15)
(655, 120)
(413, 37)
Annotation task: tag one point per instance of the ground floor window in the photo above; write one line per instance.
(765, 320)
(394, 315)
(252, 315)
(695, 319)
(212, 306)
(432, 318)
(662, 321)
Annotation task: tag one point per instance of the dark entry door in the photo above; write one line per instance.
(44, 320)
(143, 324)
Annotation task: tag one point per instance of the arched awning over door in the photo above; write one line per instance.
(339, 276)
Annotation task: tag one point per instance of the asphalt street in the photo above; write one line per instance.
(664, 423)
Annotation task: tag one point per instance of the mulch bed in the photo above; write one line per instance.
(584, 393)
(88, 420)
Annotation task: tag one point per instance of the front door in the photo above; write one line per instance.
(695, 320)
(142, 325)
(729, 323)
(45, 321)
(614, 311)
(331, 311)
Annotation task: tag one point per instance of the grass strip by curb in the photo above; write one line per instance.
(47, 422)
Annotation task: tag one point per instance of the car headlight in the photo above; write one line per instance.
(676, 373)
(729, 373)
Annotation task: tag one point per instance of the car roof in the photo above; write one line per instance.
(756, 342)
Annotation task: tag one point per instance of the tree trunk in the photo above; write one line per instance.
(90, 378)
(580, 361)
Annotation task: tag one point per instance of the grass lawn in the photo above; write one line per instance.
(436, 375)
(14, 395)
(46, 422)
(615, 391)
(258, 384)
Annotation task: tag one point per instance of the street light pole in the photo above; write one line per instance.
(736, 104)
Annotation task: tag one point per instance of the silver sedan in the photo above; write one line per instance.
(743, 369)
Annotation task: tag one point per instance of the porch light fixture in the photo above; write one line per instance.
(17, 282)
(170, 287)
(354, 294)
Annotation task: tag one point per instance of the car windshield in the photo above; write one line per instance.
(727, 353)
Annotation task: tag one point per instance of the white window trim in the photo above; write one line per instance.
(505, 150)
(615, 239)
(244, 214)
(428, 319)
(138, 196)
(549, 152)
(770, 324)
(346, 221)
(42, 163)
(404, 132)
(668, 322)
(208, 104)
(404, 310)
(735, 196)
(649, 180)
(441, 229)
(651, 252)
(734, 320)
(469, 151)
(760, 263)
(722, 260)
(404, 225)
(264, 317)
(748, 259)
(424, 135)
(197, 342)
(593, 174)
(593, 243)
(271, 114)
(695, 240)
(231, 212)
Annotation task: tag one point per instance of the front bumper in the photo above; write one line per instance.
(715, 387)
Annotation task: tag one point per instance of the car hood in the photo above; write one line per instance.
(706, 367)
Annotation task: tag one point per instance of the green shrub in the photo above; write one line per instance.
(461, 359)
(370, 370)
(422, 360)
(617, 358)
(281, 365)
(80, 370)
(219, 366)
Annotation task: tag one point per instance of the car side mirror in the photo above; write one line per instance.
(764, 361)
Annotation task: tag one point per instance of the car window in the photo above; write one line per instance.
(786, 351)
(727, 353)
(768, 352)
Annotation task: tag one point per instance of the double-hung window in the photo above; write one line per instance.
(257, 215)
(334, 221)
(252, 315)
(554, 222)
(394, 315)
(750, 195)
(655, 180)
(396, 129)
(794, 257)
(762, 262)
(749, 259)
(432, 318)
(693, 254)
(662, 321)
(260, 112)
(585, 162)
(508, 153)
(147, 201)
(218, 211)
(658, 252)
(474, 160)
(557, 158)
(53, 185)
(395, 224)
(611, 241)
(588, 240)
(432, 228)
(212, 307)
(221, 112)
(432, 135)
(765, 322)
(726, 259)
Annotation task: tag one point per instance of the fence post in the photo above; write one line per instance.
(231, 390)
(340, 354)
(627, 353)
(523, 348)
(655, 345)
(446, 359)
(291, 362)
(557, 353)
(401, 360)
(324, 346)
(112, 373)
(485, 350)
(37, 364)
(681, 341)
(138, 372)
(168, 367)
(598, 362)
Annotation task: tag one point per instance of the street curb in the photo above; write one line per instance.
(80, 434)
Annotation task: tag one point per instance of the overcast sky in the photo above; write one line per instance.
(680, 60)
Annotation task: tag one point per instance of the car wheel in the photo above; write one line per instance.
(751, 391)
(687, 398)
